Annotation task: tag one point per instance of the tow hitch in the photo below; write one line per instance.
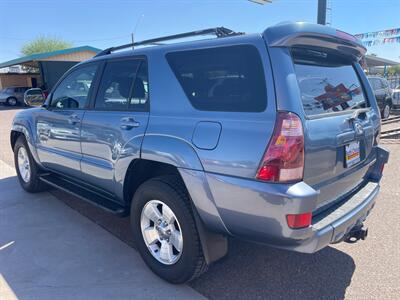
(357, 233)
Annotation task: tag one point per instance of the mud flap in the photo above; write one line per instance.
(215, 245)
(382, 157)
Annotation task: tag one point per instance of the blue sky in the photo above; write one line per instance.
(104, 23)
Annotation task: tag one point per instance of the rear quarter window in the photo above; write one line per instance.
(327, 84)
(227, 79)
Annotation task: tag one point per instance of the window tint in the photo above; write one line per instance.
(116, 83)
(328, 85)
(124, 85)
(73, 91)
(222, 79)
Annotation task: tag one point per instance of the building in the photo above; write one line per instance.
(43, 69)
(375, 64)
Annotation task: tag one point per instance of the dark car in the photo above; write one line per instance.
(13, 95)
(383, 94)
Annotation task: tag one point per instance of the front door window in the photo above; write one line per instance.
(73, 92)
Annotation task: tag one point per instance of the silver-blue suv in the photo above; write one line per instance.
(271, 138)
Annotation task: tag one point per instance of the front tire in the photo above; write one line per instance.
(165, 231)
(26, 167)
(386, 111)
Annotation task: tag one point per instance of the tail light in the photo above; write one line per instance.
(299, 221)
(283, 160)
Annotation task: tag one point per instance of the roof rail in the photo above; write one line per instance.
(217, 31)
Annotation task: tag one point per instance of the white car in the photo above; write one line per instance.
(396, 97)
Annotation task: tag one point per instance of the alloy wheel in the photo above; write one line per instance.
(161, 232)
(24, 166)
(386, 111)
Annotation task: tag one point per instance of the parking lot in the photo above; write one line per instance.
(365, 270)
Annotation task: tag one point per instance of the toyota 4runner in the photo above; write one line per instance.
(270, 137)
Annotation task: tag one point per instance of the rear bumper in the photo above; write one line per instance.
(336, 224)
(256, 211)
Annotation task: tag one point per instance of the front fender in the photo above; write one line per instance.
(24, 126)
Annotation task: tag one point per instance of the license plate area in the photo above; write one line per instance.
(352, 154)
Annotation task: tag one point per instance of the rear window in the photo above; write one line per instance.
(327, 83)
(221, 79)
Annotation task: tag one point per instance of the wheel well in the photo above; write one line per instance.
(13, 138)
(141, 170)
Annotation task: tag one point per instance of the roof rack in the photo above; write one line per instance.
(217, 31)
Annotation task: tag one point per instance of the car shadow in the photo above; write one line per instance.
(18, 107)
(250, 270)
(259, 272)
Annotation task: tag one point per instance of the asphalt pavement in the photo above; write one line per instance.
(366, 270)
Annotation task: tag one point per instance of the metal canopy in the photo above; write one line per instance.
(31, 60)
(374, 61)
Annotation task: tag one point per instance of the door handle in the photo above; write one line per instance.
(128, 123)
(73, 119)
(356, 113)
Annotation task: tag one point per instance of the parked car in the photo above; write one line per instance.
(13, 96)
(396, 97)
(383, 94)
(271, 138)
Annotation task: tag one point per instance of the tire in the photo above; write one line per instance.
(29, 181)
(386, 111)
(169, 191)
(12, 101)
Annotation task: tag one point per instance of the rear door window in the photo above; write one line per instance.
(124, 85)
(327, 84)
(222, 79)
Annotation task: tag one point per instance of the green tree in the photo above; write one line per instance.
(394, 70)
(44, 44)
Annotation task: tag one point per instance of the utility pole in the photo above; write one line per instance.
(321, 12)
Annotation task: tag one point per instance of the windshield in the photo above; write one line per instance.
(327, 85)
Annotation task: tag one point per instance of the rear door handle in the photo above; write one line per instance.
(356, 113)
(128, 123)
(73, 119)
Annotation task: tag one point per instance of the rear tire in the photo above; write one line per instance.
(169, 192)
(12, 101)
(26, 167)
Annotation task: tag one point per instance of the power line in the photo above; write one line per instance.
(74, 41)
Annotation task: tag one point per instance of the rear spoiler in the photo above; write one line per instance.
(301, 34)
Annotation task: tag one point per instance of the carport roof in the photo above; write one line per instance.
(374, 61)
(45, 55)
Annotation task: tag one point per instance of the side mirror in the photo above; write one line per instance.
(34, 97)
